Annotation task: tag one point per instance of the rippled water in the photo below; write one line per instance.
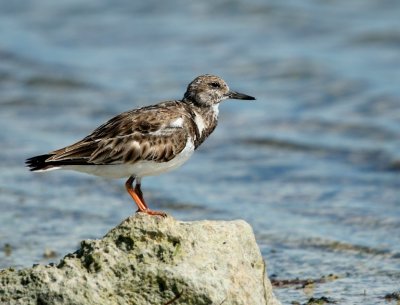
(313, 164)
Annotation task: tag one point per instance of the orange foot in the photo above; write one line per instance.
(152, 212)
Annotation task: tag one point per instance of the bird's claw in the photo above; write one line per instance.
(153, 213)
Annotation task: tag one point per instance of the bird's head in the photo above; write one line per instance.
(208, 90)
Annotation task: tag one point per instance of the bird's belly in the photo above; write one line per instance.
(139, 168)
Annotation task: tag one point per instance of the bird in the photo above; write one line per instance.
(146, 141)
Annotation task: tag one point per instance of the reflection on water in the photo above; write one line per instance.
(313, 164)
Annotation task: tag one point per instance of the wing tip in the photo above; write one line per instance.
(38, 163)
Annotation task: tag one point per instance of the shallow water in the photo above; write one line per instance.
(313, 165)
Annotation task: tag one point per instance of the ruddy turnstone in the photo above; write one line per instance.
(146, 141)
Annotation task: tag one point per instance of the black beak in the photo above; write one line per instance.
(239, 96)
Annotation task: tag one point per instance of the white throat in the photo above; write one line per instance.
(216, 110)
(201, 125)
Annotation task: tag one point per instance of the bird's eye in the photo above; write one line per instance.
(215, 85)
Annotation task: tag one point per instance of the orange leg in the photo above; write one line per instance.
(138, 191)
(137, 196)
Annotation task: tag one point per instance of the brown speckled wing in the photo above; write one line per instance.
(150, 133)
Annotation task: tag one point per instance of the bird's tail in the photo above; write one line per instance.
(39, 163)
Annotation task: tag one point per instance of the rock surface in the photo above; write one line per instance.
(151, 260)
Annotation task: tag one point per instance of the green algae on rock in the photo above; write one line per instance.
(151, 260)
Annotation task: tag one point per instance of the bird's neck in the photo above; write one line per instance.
(205, 119)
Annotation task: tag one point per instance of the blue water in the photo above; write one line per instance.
(313, 165)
